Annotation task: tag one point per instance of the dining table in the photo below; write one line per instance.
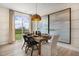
(40, 39)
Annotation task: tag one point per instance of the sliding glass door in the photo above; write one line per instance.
(25, 23)
(22, 24)
(18, 27)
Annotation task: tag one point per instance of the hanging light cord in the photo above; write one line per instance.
(36, 8)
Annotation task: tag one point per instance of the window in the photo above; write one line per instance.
(60, 24)
(43, 25)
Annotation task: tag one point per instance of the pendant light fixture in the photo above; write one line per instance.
(36, 17)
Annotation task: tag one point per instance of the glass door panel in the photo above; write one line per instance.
(18, 27)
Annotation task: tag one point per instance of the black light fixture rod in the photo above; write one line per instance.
(36, 8)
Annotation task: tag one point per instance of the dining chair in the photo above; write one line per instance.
(30, 44)
(50, 48)
(25, 40)
(54, 41)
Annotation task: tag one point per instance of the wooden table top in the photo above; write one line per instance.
(40, 38)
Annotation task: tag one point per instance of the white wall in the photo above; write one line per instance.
(4, 25)
(75, 24)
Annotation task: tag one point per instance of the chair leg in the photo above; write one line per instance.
(32, 50)
(26, 47)
(46, 41)
(26, 50)
(23, 45)
(37, 46)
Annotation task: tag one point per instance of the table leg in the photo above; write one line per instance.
(39, 51)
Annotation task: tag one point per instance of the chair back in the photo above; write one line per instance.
(54, 40)
(31, 41)
(25, 38)
(38, 33)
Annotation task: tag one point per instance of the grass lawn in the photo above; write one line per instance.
(18, 36)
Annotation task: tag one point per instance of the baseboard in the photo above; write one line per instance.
(6, 43)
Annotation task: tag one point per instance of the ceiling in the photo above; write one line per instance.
(30, 8)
